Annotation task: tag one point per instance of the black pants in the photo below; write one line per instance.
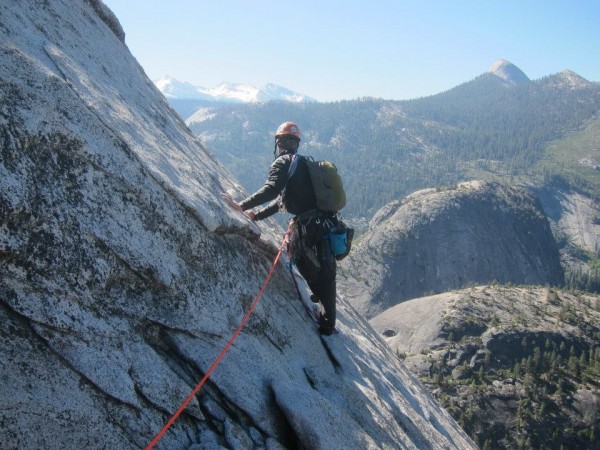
(317, 264)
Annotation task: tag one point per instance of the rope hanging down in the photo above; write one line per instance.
(222, 354)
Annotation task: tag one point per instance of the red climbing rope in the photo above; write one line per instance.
(220, 357)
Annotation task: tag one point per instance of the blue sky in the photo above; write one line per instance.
(337, 50)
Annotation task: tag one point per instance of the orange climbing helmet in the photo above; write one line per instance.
(288, 129)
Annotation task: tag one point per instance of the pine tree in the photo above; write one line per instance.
(516, 370)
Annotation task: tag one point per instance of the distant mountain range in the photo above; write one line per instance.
(228, 92)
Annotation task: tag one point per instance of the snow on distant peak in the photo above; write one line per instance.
(508, 72)
(234, 92)
(172, 88)
(229, 92)
(275, 92)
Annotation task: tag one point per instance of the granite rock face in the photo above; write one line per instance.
(123, 275)
(434, 241)
(575, 221)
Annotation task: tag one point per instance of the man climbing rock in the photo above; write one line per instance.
(294, 193)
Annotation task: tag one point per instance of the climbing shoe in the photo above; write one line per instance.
(326, 330)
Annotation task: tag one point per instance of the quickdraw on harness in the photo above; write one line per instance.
(225, 350)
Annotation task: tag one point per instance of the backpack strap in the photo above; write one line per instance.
(293, 166)
(291, 171)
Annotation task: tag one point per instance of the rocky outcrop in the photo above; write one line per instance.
(109, 18)
(123, 275)
(515, 365)
(508, 72)
(575, 220)
(437, 240)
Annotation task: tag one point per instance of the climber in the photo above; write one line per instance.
(312, 254)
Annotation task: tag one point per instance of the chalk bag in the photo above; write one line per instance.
(338, 240)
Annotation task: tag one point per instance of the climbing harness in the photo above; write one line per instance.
(225, 350)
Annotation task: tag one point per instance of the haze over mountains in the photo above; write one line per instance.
(174, 89)
(228, 92)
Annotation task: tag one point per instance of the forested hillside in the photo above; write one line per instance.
(483, 119)
(388, 149)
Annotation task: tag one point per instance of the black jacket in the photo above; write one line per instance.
(299, 195)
